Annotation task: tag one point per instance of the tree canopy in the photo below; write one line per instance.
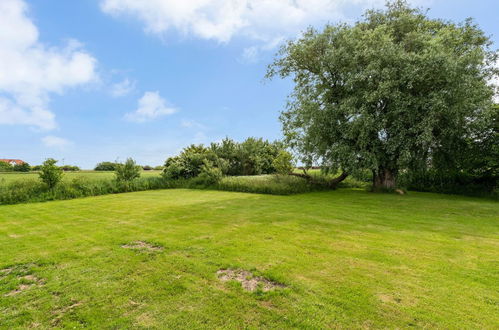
(397, 90)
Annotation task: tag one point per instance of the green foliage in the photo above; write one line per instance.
(23, 191)
(283, 163)
(105, 166)
(70, 168)
(395, 91)
(128, 171)
(209, 175)
(6, 167)
(251, 157)
(50, 173)
(24, 167)
(188, 163)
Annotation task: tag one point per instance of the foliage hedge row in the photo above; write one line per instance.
(251, 157)
(459, 183)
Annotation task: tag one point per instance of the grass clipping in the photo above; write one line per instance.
(248, 281)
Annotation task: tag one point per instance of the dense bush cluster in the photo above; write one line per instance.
(250, 157)
(6, 167)
(105, 166)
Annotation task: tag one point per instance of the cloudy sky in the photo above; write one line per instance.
(92, 80)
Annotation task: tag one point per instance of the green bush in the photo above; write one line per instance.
(209, 175)
(283, 163)
(24, 167)
(128, 171)
(70, 168)
(50, 173)
(105, 166)
(451, 182)
(251, 157)
(6, 167)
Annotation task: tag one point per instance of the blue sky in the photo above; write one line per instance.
(94, 80)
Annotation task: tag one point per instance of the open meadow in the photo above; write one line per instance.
(204, 259)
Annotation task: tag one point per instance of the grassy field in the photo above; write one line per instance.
(6, 177)
(344, 258)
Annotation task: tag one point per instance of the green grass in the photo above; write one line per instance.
(7, 177)
(349, 259)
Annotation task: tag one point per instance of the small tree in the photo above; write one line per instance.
(128, 171)
(283, 163)
(50, 173)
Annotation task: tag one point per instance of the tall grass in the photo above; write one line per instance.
(25, 191)
(266, 184)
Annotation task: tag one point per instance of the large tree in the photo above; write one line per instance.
(386, 93)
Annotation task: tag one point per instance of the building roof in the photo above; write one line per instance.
(13, 161)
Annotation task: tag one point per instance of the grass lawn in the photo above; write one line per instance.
(6, 177)
(347, 258)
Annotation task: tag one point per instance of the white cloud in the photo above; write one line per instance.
(221, 20)
(54, 141)
(191, 124)
(151, 106)
(31, 71)
(250, 54)
(122, 88)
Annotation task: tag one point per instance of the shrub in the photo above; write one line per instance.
(69, 168)
(128, 171)
(147, 168)
(50, 173)
(451, 182)
(188, 163)
(209, 174)
(24, 167)
(283, 163)
(105, 166)
(6, 167)
(251, 157)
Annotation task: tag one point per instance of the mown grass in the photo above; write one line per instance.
(348, 258)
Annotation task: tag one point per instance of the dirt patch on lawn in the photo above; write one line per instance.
(142, 246)
(61, 312)
(248, 281)
(386, 298)
(22, 275)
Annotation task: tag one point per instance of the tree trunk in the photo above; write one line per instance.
(384, 178)
(332, 184)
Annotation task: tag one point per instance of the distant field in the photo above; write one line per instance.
(344, 259)
(6, 177)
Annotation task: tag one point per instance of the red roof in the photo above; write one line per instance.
(10, 161)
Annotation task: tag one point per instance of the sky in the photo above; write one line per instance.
(102, 80)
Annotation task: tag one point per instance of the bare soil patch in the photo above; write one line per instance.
(248, 281)
(59, 313)
(23, 276)
(142, 246)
